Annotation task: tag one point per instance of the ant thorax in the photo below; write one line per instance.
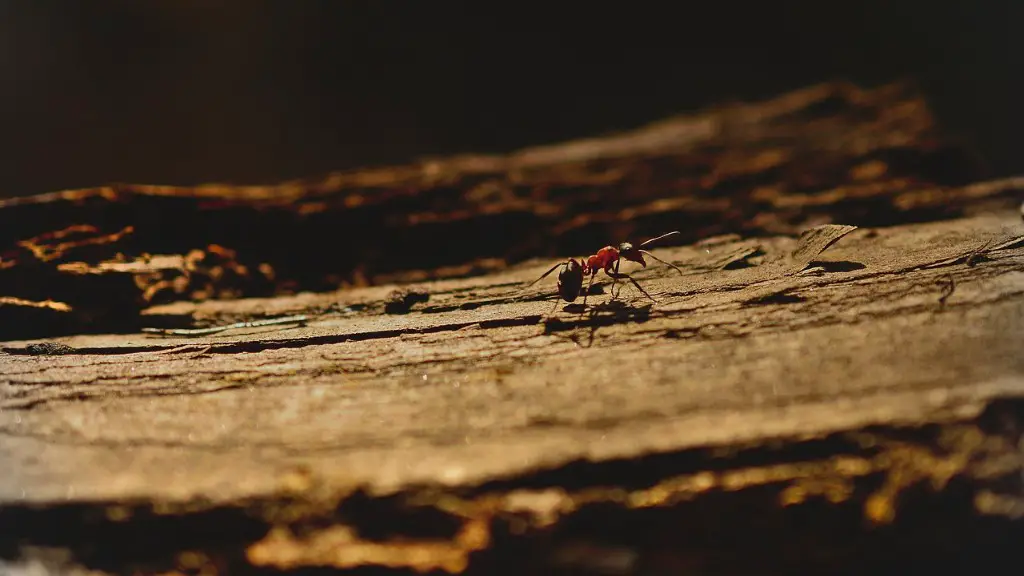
(604, 258)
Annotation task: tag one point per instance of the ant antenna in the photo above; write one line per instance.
(658, 238)
(662, 261)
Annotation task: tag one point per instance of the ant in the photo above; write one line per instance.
(570, 277)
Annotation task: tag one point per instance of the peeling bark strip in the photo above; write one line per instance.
(864, 157)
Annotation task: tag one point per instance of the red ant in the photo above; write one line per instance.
(570, 277)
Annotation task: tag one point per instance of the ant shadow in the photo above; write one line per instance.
(614, 311)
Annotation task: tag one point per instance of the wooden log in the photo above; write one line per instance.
(872, 156)
(834, 368)
(851, 366)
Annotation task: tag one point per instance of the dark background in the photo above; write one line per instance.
(190, 91)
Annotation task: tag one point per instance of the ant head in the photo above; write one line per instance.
(628, 252)
(570, 280)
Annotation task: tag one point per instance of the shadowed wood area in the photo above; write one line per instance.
(832, 380)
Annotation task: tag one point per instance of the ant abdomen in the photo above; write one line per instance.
(570, 280)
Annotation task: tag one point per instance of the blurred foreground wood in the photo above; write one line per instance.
(839, 391)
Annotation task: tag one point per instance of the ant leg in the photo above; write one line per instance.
(544, 275)
(633, 280)
(660, 260)
(587, 293)
(553, 308)
(615, 282)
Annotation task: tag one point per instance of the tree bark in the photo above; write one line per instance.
(828, 153)
(840, 344)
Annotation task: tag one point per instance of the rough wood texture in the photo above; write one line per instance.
(811, 381)
(869, 157)
(473, 390)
